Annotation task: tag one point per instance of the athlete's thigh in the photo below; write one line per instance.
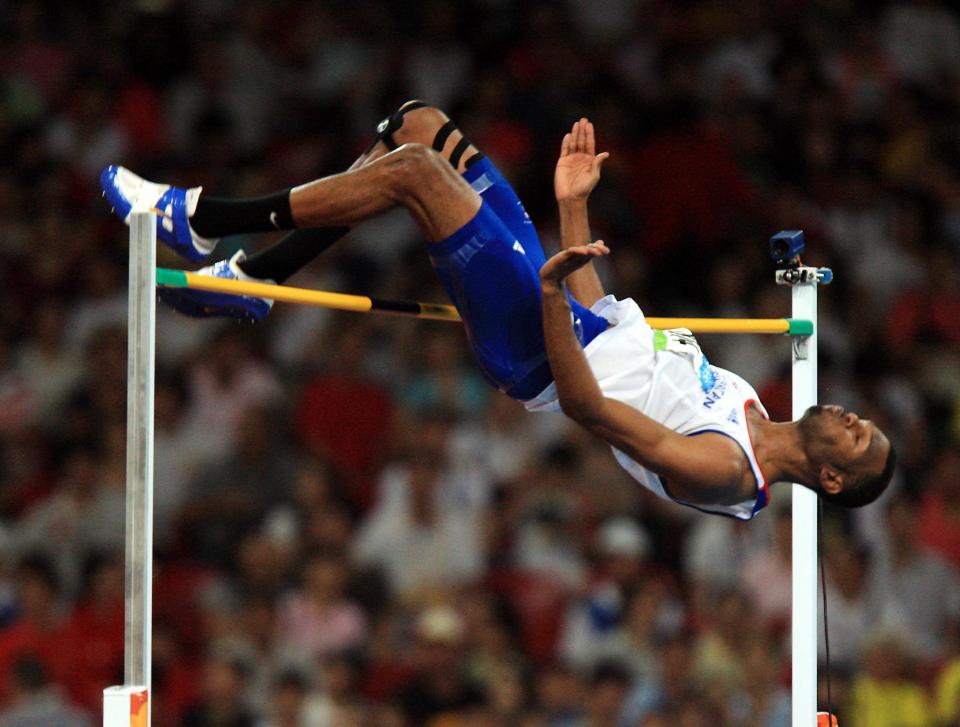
(496, 191)
(495, 285)
(496, 288)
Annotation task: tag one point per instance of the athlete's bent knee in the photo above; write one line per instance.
(412, 167)
(419, 125)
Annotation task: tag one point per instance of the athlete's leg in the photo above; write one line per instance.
(414, 122)
(412, 176)
(299, 248)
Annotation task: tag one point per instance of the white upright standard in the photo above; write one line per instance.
(804, 618)
(128, 706)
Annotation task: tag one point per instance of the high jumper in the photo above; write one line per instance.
(543, 331)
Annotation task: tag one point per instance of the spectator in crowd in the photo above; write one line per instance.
(440, 685)
(766, 575)
(608, 687)
(320, 619)
(287, 701)
(83, 515)
(419, 538)
(90, 642)
(338, 701)
(227, 381)
(885, 694)
(920, 593)
(36, 628)
(946, 689)
(545, 542)
(234, 490)
(35, 701)
(849, 608)
(443, 379)
(560, 695)
(223, 700)
(762, 700)
(939, 512)
(345, 417)
(51, 368)
(652, 615)
(622, 548)
(719, 649)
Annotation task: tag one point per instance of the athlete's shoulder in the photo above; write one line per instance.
(720, 475)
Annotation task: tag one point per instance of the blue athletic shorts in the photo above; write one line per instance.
(490, 268)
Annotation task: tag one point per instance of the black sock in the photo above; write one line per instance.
(217, 217)
(278, 262)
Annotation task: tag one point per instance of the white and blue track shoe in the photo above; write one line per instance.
(207, 304)
(173, 206)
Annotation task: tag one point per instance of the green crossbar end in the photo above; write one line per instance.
(171, 278)
(799, 327)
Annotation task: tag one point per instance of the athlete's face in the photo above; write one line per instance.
(843, 442)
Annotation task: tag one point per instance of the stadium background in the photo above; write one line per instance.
(352, 529)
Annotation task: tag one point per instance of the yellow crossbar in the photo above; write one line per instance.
(724, 325)
(437, 311)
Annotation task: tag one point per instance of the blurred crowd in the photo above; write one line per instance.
(352, 528)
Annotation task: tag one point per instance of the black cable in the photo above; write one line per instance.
(823, 588)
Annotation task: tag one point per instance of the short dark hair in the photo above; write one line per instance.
(611, 670)
(864, 490)
(38, 565)
(28, 673)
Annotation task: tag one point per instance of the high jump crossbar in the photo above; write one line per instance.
(128, 705)
(437, 311)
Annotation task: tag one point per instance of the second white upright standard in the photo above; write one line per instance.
(129, 706)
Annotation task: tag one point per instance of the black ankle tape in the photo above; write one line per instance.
(394, 122)
(390, 124)
(440, 140)
(458, 151)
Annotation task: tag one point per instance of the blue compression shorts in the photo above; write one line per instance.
(490, 268)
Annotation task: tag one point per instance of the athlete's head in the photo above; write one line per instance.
(852, 460)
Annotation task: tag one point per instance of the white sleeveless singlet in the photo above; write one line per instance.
(664, 375)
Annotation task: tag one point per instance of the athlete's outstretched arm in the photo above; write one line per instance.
(703, 469)
(577, 173)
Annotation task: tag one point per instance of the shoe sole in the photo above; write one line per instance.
(216, 306)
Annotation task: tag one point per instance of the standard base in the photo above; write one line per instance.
(126, 707)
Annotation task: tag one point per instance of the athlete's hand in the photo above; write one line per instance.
(557, 268)
(578, 169)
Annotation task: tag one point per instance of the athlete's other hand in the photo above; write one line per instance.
(578, 169)
(557, 268)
